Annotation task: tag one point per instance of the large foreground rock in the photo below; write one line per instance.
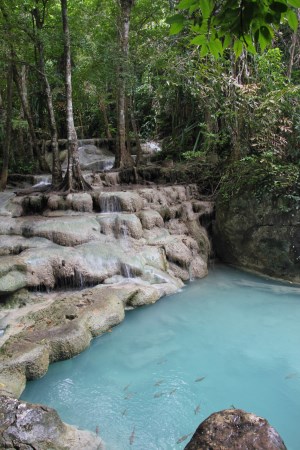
(235, 429)
(25, 426)
(260, 234)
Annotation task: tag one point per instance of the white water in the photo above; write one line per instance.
(241, 333)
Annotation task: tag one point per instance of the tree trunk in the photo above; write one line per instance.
(135, 132)
(103, 109)
(123, 156)
(73, 180)
(56, 167)
(8, 128)
(20, 81)
(292, 50)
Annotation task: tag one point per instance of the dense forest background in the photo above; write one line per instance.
(143, 70)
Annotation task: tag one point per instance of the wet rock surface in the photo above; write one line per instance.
(69, 267)
(68, 272)
(235, 429)
(25, 426)
(260, 234)
(82, 239)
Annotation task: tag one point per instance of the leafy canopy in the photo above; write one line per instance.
(219, 24)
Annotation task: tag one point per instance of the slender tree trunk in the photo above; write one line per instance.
(8, 128)
(127, 125)
(292, 50)
(56, 167)
(73, 179)
(20, 81)
(103, 109)
(135, 132)
(123, 156)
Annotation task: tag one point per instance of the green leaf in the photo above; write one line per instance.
(193, 8)
(176, 27)
(215, 46)
(250, 46)
(294, 3)
(204, 50)
(292, 19)
(185, 4)
(227, 41)
(176, 18)
(264, 38)
(278, 7)
(238, 47)
(199, 40)
(206, 8)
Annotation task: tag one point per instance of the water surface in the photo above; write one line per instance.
(229, 340)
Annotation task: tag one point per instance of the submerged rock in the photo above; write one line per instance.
(26, 426)
(235, 429)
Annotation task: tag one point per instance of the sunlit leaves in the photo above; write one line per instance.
(292, 19)
(238, 47)
(176, 23)
(294, 3)
(248, 25)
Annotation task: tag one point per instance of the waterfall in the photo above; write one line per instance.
(42, 180)
(109, 203)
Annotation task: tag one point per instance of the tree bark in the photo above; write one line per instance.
(123, 156)
(73, 180)
(56, 167)
(292, 50)
(135, 132)
(8, 128)
(103, 109)
(20, 82)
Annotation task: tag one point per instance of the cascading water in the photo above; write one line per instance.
(42, 180)
(109, 203)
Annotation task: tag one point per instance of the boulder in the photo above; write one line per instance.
(120, 225)
(235, 429)
(82, 202)
(128, 201)
(66, 231)
(57, 331)
(26, 426)
(151, 219)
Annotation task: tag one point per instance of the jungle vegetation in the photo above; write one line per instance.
(216, 81)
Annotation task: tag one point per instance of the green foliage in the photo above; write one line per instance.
(220, 25)
(260, 175)
(190, 155)
(23, 166)
(271, 70)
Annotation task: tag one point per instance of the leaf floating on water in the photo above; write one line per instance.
(199, 379)
(183, 438)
